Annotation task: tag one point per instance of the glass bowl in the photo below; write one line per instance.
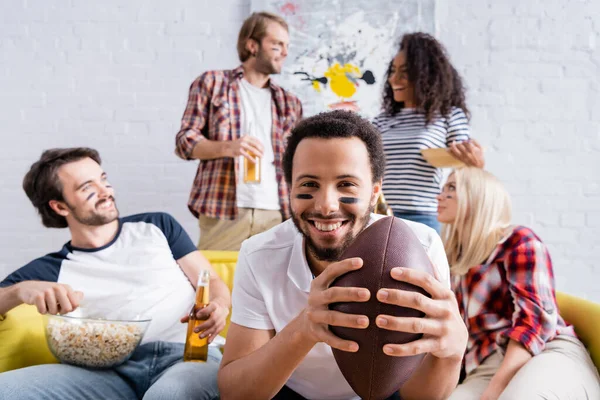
(93, 342)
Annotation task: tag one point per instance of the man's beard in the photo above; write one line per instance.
(95, 219)
(331, 253)
(264, 65)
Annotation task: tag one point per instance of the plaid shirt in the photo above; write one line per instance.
(511, 296)
(213, 112)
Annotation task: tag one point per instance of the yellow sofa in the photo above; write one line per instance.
(22, 340)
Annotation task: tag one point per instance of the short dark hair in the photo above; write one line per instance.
(332, 125)
(41, 183)
(438, 85)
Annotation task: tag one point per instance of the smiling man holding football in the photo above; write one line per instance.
(279, 344)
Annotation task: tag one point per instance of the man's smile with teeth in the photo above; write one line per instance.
(327, 227)
(105, 204)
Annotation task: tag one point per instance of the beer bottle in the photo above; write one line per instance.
(382, 206)
(252, 169)
(196, 349)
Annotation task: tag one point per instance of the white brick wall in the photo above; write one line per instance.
(115, 75)
(111, 75)
(533, 72)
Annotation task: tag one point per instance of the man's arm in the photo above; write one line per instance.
(260, 361)
(191, 265)
(246, 146)
(257, 363)
(435, 378)
(444, 334)
(195, 116)
(516, 356)
(8, 299)
(191, 144)
(48, 297)
(220, 299)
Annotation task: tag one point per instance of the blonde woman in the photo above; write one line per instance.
(519, 346)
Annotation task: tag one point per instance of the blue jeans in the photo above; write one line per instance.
(428, 219)
(155, 371)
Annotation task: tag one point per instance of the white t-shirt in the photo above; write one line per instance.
(257, 120)
(135, 274)
(271, 286)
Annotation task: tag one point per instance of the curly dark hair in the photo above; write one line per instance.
(438, 86)
(336, 124)
(41, 183)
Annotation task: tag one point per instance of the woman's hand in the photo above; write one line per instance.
(470, 152)
(492, 392)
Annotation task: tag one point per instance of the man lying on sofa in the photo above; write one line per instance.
(142, 264)
(279, 344)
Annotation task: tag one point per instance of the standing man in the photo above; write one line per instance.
(237, 114)
(279, 343)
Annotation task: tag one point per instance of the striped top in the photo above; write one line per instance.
(411, 184)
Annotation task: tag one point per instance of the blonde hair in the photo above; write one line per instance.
(483, 214)
(255, 27)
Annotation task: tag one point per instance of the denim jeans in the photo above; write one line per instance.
(155, 371)
(428, 219)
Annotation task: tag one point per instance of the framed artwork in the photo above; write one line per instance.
(340, 50)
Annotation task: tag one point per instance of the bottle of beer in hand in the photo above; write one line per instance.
(196, 349)
(382, 206)
(252, 169)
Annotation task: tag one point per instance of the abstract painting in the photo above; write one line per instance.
(340, 50)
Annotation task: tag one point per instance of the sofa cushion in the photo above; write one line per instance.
(22, 339)
(584, 315)
(223, 262)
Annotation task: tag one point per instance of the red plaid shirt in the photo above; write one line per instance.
(511, 296)
(213, 112)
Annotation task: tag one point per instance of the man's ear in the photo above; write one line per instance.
(252, 46)
(59, 207)
(376, 193)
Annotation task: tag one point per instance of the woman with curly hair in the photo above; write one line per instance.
(424, 107)
(519, 346)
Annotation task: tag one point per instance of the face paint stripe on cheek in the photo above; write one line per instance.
(349, 200)
(304, 196)
(90, 196)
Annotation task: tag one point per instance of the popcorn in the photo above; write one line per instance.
(93, 344)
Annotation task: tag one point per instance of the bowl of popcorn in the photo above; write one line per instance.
(93, 342)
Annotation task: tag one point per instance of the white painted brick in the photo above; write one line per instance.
(97, 31)
(582, 69)
(136, 129)
(93, 114)
(566, 86)
(159, 12)
(137, 58)
(546, 219)
(529, 8)
(560, 235)
(510, 32)
(593, 219)
(591, 189)
(51, 28)
(523, 218)
(188, 29)
(12, 30)
(572, 220)
(83, 58)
